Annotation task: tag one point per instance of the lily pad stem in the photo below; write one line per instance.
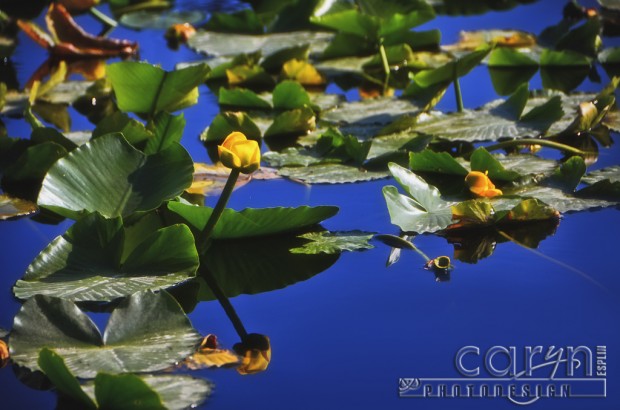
(217, 211)
(534, 141)
(109, 23)
(224, 302)
(386, 66)
(457, 92)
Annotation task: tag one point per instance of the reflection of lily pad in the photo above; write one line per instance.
(146, 332)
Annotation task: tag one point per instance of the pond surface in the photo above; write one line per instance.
(344, 338)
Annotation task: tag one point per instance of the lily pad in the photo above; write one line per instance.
(160, 20)
(331, 174)
(422, 210)
(147, 89)
(146, 332)
(109, 176)
(562, 201)
(334, 242)
(86, 263)
(253, 222)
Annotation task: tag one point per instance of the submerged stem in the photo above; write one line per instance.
(217, 211)
(534, 141)
(457, 93)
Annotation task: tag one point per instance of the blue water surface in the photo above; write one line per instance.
(342, 339)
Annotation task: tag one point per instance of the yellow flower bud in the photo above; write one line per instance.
(4, 354)
(239, 153)
(480, 185)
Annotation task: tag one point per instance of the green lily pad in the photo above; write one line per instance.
(147, 89)
(86, 263)
(253, 222)
(133, 130)
(334, 242)
(569, 174)
(15, 207)
(147, 332)
(422, 210)
(289, 95)
(331, 174)
(611, 173)
(481, 160)
(109, 176)
(56, 370)
(242, 98)
(298, 121)
(161, 19)
(437, 162)
(292, 157)
(227, 122)
(229, 44)
(562, 201)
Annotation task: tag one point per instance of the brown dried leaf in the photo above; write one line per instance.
(208, 355)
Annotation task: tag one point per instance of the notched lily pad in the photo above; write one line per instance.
(145, 333)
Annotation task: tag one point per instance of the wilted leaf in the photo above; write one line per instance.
(15, 207)
(210, 179)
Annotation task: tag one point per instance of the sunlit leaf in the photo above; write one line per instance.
(253, 222)
(133, 130)
(334, 242)
(481, 160)
(146, 332)
(242, 98)
(65, 382)
(161, 19)
(147, 89)
(86, 262)
(331, 174)
(422, 210)
(298, 121)
(303, 72)
(111, 177)
(439, 162)
(561, 201)
(167, 132)
(228, 121)
(289, 95)
(569, 174)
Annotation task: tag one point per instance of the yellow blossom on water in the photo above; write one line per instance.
(239, 153)
(480, 185)
(255, 352)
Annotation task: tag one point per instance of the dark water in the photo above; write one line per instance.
(342, 339)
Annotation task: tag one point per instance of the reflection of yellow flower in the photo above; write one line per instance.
(239, 153)
(255, 352)
(4, 354)
(480, 185)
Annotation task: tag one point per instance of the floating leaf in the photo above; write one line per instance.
(133, 130)
(227, 122)
(242, 98)
(331, 174)
(161, 19)
(569, 174)
(167, 132)
(293, 122)
(562, 201)
(147, 89)
(56, 370)
(289, 95)
(15, 207)
(482, 161)
(228, 44)
(302, 72)
(86, 262)
(423, 210)
(253, 222)
(146, 332)
(438, 162)
(111, 177)
(334, 242)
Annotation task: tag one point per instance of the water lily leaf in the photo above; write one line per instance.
(299, 121)
(476, 213)
(491, 122)
(438, 162)
(611, 173)
(228, 44)
(133, 130)
(145, 333)
(147, 89)
(15, 207)
(226, 122)
(334, 242)
(56, 370)
(289, 95)
(303, 72)
(249, 76)
(161, 20)
(33, 163)
(117, 391)
(569, 174)
(567, 58)
(292, 157)
(86, 262)
(331, 174)
(209, 180)
(111, 177)
(253, 222)
(562, 201)
(530, 210)
(482, 161)
(243, 21)
(242, 98)
(422, 210)
(167, 132)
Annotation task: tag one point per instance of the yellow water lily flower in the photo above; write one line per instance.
(480, 185)
(239, 153)
(4, 354)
